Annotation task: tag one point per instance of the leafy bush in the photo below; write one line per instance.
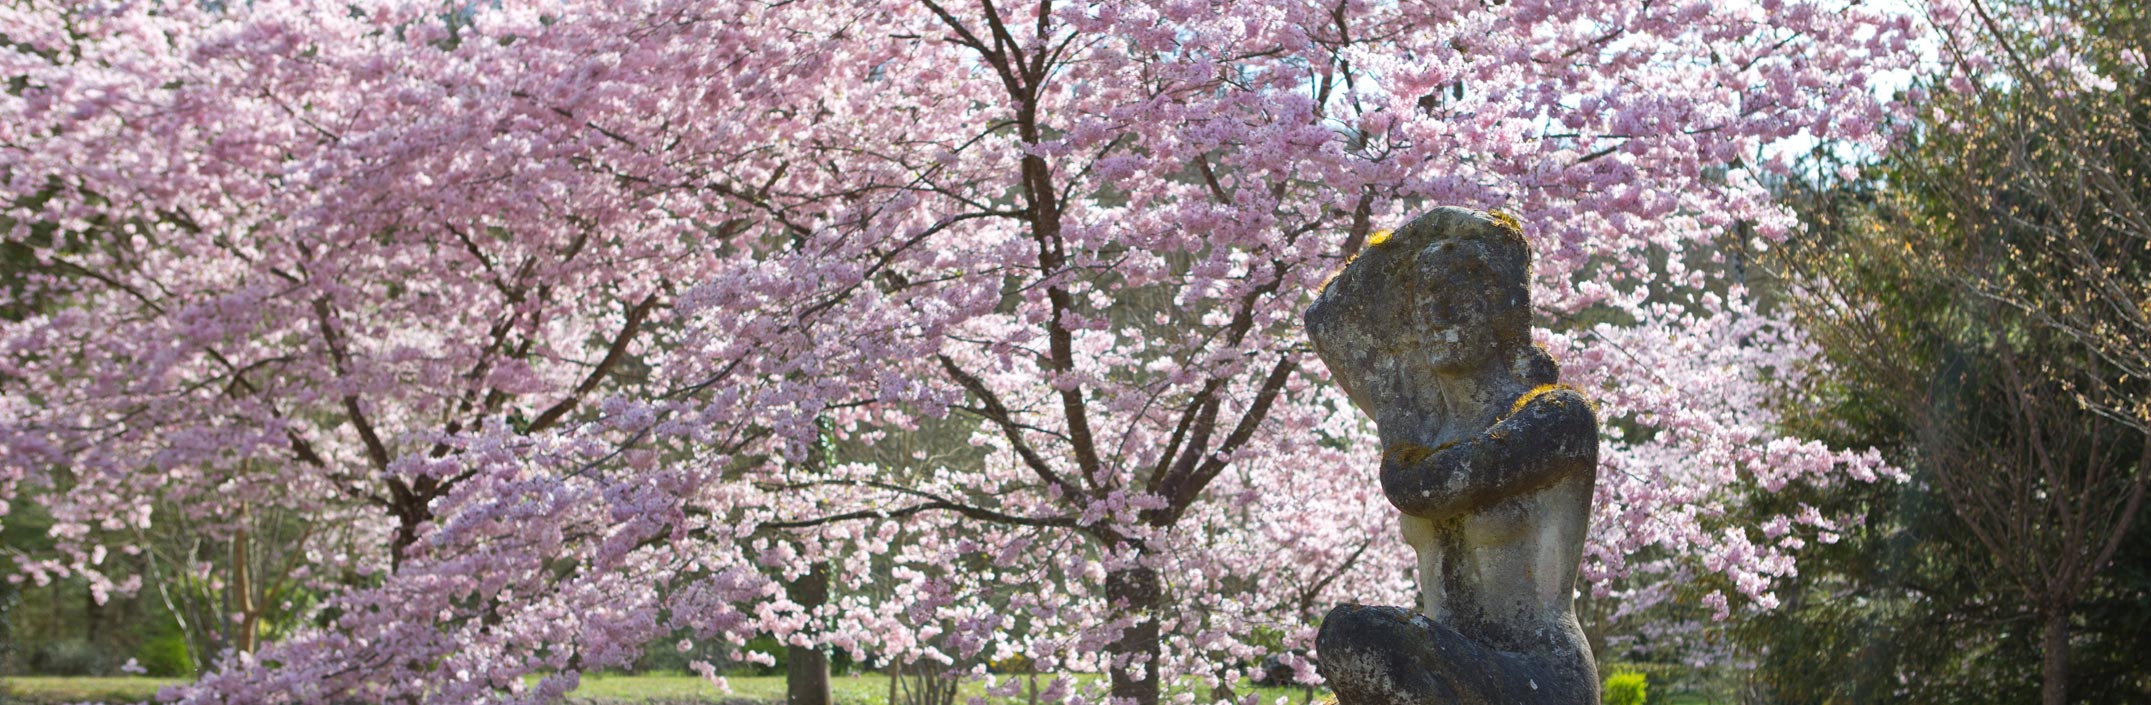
(74, 657)
(765, 644)
(8, 600)
(1013, 664)
(1625, 689)
(165, 656)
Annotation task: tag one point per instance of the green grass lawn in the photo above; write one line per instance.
(865, 689)
(596, 689)
(609, 689)
(74, 689)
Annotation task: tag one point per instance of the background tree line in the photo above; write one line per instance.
(1984, 299)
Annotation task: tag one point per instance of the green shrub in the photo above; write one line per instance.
(1625, 689)
(165, 656)
(766, 644)
(8, 601)
(73, 657)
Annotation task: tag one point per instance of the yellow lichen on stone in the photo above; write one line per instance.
(1379, 237)
(1503, 219)
(1406, 453)
(1535, 393)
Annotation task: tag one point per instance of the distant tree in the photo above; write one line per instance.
(1984, 305)
(2037, 170)
(2039, 188)
(1915, 585)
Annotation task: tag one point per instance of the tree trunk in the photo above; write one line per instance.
(242, 588)
(1224, 691)
(408, 516)
(806, 668)
(1134, 592)
(2054, 648)
(92, 615)
(896, 677)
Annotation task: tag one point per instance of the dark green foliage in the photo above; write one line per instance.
(165, 656)
(765, 644)
(1958, 286)
(2113, 639)
(1901, 591)
(10, 596)
(1900, 609)
(74, 657)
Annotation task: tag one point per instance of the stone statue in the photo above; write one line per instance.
(1490, 463)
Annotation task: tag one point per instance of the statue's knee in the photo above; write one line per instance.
(1371, 639)
(1379, 656)
(1348, 627)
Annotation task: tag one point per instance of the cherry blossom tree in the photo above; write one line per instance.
(552, 297)
(261, 286)
(1182, 175)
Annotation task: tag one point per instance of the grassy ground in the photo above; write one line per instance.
(611, 689)
(596, 690)
(72, 689)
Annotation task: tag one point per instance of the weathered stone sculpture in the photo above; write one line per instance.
(1489, 461)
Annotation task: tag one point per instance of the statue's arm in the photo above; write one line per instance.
(1555, 434)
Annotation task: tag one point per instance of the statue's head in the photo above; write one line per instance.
(1447, 293)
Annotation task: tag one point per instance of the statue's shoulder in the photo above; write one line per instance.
(1554, 399)
(1556, 409)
